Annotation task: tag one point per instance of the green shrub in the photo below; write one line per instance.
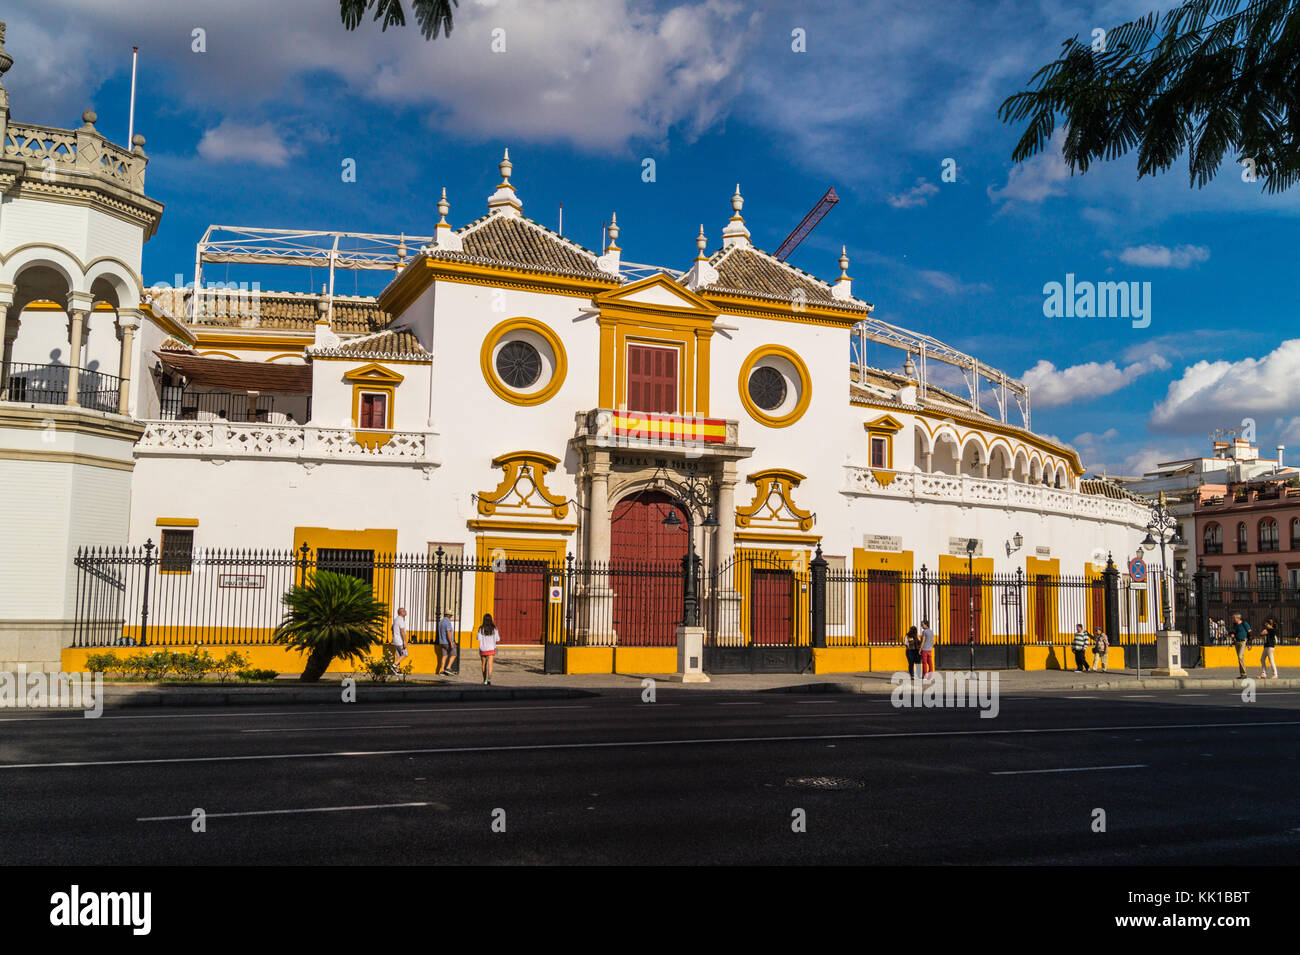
(105, 663)
(331, 616)
(257, 676)
(190, 666)
(149, 666)
(229, 665)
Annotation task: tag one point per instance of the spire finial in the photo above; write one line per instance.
(844, 262)
(443, 208)
(6, 60)
(737, 202)
(735, 233)
(613, 233)
(504, 200)
(505, 166)
(701, 243)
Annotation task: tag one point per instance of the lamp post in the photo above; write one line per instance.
(695, 494)
(1162, 530)
(970, 584)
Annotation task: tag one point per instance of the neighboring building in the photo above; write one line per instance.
(514, 398)
(1181, 483)
(1248, 536)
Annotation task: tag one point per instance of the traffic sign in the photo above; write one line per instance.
(1137, 569)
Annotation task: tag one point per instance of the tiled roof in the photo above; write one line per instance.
(276, 311)
(397, 344)
(1108, 489)
(241, 375)
(519, 241)
(749, 271)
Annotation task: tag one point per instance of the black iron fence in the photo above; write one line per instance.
(48, 385)
(179, 404)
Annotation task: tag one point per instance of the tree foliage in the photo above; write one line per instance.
(431, 15)
(331, 616)
(1206, 78)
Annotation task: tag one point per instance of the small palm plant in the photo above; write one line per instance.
(331, 616)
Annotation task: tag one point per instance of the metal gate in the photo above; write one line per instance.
(756, 616)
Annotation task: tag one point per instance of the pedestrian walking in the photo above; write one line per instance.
(927, 649)
(1100, 646)
(399, 641)
(446, 644)
(488, 638)
(1080, 649)
(912, 643)
(1268, 634)
(1240, 638)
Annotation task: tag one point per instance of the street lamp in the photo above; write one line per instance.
(970, 583)
(1162, 531)
(695, 495)
(1018, 541)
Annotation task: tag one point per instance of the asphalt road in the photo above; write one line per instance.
(1195, 777)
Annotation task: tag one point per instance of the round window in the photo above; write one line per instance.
(767, 387)
(519, 364)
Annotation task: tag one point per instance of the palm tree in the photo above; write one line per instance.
(1207, 77)
(331, 615)
(432, 15)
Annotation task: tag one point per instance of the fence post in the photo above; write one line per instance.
(1020, 603)
(1202, 578)
(1110, 600)
(144, 603)
(818, 565)
(302, 565)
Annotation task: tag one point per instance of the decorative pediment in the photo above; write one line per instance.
(656, 293)
(522, 493)
(373, 374)
(885, 423)
(773, 507)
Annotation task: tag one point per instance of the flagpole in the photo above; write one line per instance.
(130, 132)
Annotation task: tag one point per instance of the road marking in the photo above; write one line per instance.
(281, 812)
(207, 716)
(628, 744)
(816, 702)
(1138, 696)
(740, 704)
(1071, 769)
(1081, 697)
(322, 729)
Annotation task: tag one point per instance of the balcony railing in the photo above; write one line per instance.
(286, 442)
(645, 430)
(83, 151)
(1214, 548)
(960, 489)
(48, 385)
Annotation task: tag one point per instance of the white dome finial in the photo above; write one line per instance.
(735, 233)
(504, 200)
(701, 243)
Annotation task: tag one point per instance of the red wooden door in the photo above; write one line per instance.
(651, 379)
(964, 599)
(771, 606)
(1098, 588)
(646, 569)
(519, 601)
(1042, 601)
(882, 606)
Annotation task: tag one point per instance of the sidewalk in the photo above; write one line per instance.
(524, 680)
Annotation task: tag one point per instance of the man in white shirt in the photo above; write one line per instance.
(399, 639)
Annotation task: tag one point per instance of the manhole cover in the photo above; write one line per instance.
(824, 782)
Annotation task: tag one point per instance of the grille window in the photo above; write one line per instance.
(519, 364)
(174, 557)
(767, 388)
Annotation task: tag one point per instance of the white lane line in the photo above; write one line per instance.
(281, 812)
(1070, 769)
(1081, 697)
(740, 704)
(1138, 696)
(474, 707)
(628, 744)
(816, 702)
(322, 729)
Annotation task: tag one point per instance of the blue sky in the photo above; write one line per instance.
(253, 131)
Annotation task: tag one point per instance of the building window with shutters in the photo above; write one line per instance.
(652, 382)
(176, 554)
(372, 411)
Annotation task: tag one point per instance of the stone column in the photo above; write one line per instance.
(927, 459)
(8, 354)
(598, 504)
(725, 536)
(128, 323)
(599, 596)
(74, 355)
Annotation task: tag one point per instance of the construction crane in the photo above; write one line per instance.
(815, 215)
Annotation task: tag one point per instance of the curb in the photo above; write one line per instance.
(1186, 683)
(276, 696)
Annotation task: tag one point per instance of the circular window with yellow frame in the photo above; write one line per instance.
(775, 386)
(523, 361)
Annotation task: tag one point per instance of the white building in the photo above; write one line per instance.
(514, 398)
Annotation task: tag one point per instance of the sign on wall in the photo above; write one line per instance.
(957, 546)
(881, 542)
(242, 581)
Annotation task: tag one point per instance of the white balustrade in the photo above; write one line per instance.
(223, 439)
(960, 489)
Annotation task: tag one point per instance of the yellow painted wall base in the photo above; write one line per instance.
(841, 659)
(645, 660)
(589, 660)
(1226, 657)
(889, 659)
(424, 657)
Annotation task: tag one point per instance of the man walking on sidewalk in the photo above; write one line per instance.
(1240, 637)
(1080, 647)
(399, 641)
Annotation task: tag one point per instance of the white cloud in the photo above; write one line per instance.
(950, 284)
(1163, 257)
(1050, 386)
(232, 141)
(916, 196)
(1217, 393)
(1034, 180)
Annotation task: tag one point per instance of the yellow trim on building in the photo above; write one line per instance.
(177, 522)
(490, 547)
(805, 386)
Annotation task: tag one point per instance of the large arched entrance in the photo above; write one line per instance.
(646, 569)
